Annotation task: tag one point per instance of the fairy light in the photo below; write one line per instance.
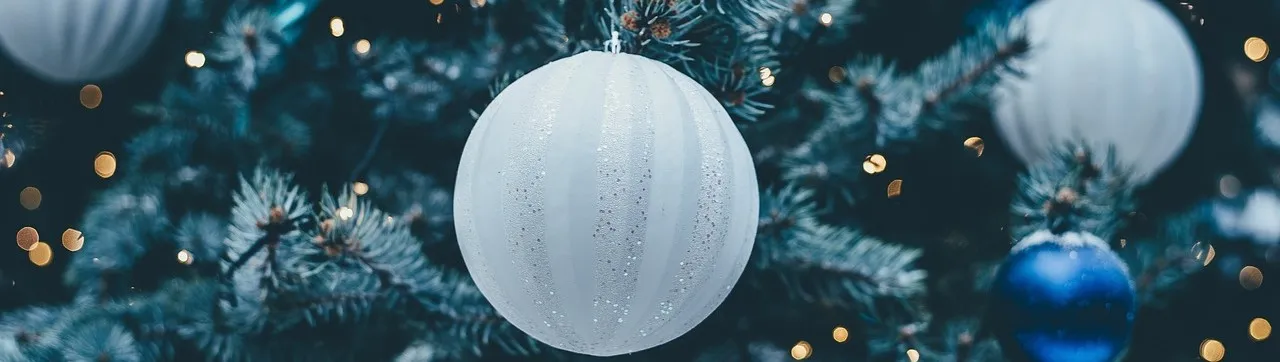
(194, 59)
(976, 145)
(895, 188)
(913, 355)
(30, 198)
(360, 188)
(27, 238)
(104, 164)
(41, 254)
(840, 334)
(873, 164)
(1213, 351)
(801, 350)
(346, 213)
(336, 27)
(362, 46)
(72, 240)
(1250, 277)
(91, 96)
(825, 19)
(185, 257)
(1256, 49)
(1259, 329)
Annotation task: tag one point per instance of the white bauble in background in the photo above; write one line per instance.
(1119, 73)
(70, 41)
(605, 204)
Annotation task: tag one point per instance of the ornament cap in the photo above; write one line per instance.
(613, 45)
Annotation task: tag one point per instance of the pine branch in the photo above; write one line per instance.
(1073, 191)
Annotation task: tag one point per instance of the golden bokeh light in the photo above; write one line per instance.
(104, 164)
(976, 145)
(1250, 277)
(185, 257)
(913, 355)
(9, 158)
(437, 2)
(768, 82)
(346, 213)
(1229, 186)
(362, 46)
(1203, 252)
(836, 74)
(1213, 351)
(840, 334)
(194, 59)
(30, 198)
(91, 96)
(27, 238)
(895, 188)
(874, 164)
(1259, 329)
(72, 240)
(41, 254)
(1256, 49)
(825, 19)
(801, 350)
(360, 188)
(336, 27)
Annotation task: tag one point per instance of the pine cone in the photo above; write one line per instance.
(631, 21)
(661, 28)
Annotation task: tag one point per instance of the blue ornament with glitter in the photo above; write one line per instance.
(1063, 298)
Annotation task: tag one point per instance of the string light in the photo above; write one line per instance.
(41, 254)
(825, 19)
(1256, 49)
(360, 188)
(362, 46)
(30, 198)
(346, 213)
(836, 74)
(194, 59)
(801, 350)
(874, 164)
(27, 238)
(895, 188)
(975, 144)
(91, 96)
(9, 158)
(336, 27)
(72, 240)
(840, 334)
(1250, 277)
(1211, 350)
(913, 355)
(104, 164)
(1259, 329)
(185, 257)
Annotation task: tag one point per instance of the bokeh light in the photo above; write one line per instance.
(975, 145)
(1259, 329)
(185, 257)
(91, 96)
(27, 238)
(1250, 277)
(72, 240)
(825, 19)
(336, 27)
(1256, 49)
(41, 254)
(874, 164)
(30, 198)
(840, 334)
(801, 350)
(194, 59)
(894, 189)
(360, 188)
(346, 213)
(913, 355)
(104, 164)
(363, 46)
(1211, 350)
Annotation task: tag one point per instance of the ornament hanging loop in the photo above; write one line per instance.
(613, 45)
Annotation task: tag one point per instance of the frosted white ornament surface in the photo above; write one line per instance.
(605, 204)
(1119, 73)
(71, 41)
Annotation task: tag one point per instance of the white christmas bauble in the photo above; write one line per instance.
(1119, 73)
(69, 41)
(606, 203)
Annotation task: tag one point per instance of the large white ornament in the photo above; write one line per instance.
(605, 204)
(69, 41)
(1116, 73)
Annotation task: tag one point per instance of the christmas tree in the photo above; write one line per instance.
(273, 180)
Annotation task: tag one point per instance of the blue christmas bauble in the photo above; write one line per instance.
(1063, 298)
